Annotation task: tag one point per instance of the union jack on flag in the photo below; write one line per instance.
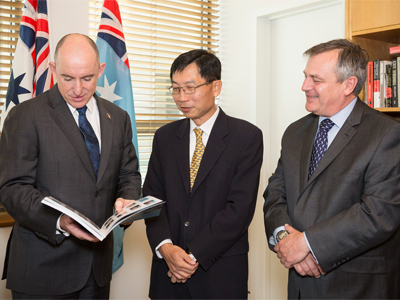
(115, 85)
(30, 74)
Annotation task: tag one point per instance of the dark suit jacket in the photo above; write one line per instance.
(43, 153)
(349, 209)
(212, 221)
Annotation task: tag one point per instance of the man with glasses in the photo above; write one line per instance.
(206, 167)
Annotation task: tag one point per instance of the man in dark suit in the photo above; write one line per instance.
(206, 167)
(333, 217)
(43, 152)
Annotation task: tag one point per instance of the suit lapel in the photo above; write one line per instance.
(306, 152)
(106, 127)
(344, 136)
(62, 116)
(181, 150)
(215, 146)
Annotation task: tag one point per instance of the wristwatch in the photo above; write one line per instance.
(190, 254)
(281, 235)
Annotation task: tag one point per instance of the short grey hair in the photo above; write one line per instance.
(352, 60)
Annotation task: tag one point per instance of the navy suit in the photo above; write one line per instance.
(213, 220)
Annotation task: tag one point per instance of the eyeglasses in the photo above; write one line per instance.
(186, 89)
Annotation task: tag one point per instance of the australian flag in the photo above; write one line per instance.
(115, 84)
(30, 74)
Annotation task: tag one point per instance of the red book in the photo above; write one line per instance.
(370, 82)
(394, 50)
(377, 84)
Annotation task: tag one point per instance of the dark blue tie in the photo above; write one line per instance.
(91, 141)
(320, 145)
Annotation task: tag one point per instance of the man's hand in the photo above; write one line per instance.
(292, 249)
(69, 225)
(174, 279)
(180, 265)
(309, 267)
(119, 204)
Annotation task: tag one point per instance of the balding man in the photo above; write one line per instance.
(70, 144)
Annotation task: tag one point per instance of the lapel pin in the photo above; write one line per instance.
(108, 115)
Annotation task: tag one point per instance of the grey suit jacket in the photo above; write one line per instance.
(349, 209)
(42, 153)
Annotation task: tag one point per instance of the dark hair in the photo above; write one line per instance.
(88, 39)
(208, 64)
(352, 60)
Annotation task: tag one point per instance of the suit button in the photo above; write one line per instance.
(186, 223)
(97, 194)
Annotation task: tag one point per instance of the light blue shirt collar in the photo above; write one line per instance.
(342, 115)
(339, 120)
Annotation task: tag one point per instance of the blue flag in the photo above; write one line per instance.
(115, 85)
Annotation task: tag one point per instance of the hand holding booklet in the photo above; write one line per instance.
(140, 209)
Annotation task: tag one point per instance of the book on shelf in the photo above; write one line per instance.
(397, 79)
(394, 50)
(388, 85)
(383, 82)
(369, 86)
(395, 99)
(377, 85)
(142, 208)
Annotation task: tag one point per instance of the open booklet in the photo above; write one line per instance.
(143, 208)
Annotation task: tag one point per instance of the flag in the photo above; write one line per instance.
(115, 85)
(30, 74)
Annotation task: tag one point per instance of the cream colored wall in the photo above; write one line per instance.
(4, 234)
(243, 83)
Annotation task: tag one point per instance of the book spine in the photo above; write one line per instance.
(388, 85)
(377, 85)
(397, 78)
(395, 99)
(370, 85)
(382, 73)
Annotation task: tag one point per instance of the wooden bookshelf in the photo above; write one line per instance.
(5, 219)
(375, 25)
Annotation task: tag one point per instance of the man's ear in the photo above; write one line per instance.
(52, 66)
(350, 85)
(217, 86)
(101, 69)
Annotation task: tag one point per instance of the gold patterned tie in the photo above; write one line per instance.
(197, 156)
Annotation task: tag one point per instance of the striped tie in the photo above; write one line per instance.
(197, 156)
(91, 141)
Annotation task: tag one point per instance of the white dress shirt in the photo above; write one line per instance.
(206, 127)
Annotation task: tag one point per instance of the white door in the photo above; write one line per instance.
(282, 37)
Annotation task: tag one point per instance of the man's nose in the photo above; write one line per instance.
(306, 85)
(78, 87)
(182, 95)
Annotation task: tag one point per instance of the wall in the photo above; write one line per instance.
(244, 84)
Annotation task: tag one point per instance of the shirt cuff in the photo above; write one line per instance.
(59, 230)
(309, 247)
(167, 241)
